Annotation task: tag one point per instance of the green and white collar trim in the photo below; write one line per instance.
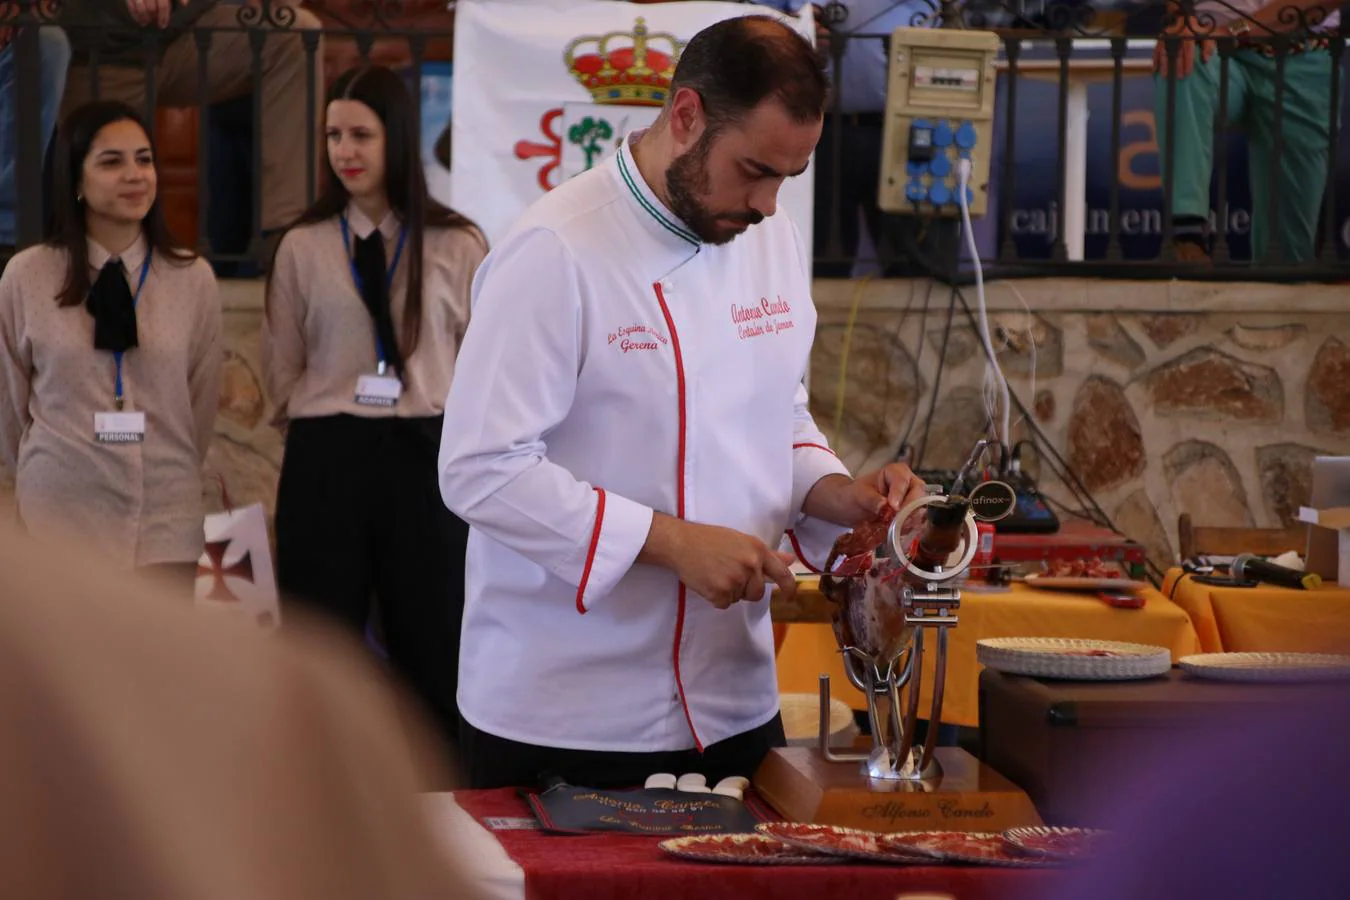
(663, 220)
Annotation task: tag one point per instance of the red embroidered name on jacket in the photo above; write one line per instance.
(769, 317)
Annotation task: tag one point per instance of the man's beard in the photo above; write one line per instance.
(686, 182)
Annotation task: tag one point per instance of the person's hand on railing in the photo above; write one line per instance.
(822, 31)
(1183, 31)
(1289, 16)
(153, 12)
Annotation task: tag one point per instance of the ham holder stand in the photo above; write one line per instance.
(886, 601)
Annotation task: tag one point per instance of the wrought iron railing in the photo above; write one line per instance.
(1059, 59)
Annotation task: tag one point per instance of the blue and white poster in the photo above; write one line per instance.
(437, 79)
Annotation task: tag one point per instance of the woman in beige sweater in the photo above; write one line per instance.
(366, 304)
(110, 354)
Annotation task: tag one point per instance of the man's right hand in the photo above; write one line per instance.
(1185, 34)
(152, 12)
(720, 564)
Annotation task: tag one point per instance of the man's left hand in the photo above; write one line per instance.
(853, 501)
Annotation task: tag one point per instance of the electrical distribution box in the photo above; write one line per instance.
(939, 109)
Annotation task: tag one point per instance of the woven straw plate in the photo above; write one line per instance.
(1072, 658)
(1269, 667)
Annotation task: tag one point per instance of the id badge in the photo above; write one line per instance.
(119, 427)
(378, 390)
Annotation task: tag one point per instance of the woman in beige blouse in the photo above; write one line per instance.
(366, 304)
(110, 355)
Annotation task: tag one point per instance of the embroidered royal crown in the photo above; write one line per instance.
(625, 67)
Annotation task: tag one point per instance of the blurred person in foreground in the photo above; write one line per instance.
(1247, 807)
(151, 751)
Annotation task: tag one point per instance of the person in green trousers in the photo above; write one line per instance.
(1304, 128)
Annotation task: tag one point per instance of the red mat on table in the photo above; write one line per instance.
(613, 866)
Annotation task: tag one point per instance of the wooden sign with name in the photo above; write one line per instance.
(803, 787)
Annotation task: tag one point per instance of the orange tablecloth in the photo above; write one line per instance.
(810, 650)
(1264, 618)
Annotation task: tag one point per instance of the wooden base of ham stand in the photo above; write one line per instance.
(969, 796)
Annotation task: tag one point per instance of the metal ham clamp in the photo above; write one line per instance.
(888, 583)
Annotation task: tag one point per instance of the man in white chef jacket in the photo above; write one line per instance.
(628, 436)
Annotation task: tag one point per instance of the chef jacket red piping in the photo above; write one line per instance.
(816, 446)
(679, 501)
(590, 553)
(797, 548)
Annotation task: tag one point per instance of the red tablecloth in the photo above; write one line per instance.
(610, 867)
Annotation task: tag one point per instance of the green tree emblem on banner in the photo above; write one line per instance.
(588, 134)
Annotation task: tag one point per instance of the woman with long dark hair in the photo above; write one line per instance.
(110, 356)
(367, 301)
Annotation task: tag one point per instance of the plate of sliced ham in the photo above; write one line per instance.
(743, 849)
(962, 847)
(837, 841)
(1055, 842)
(1087, 575)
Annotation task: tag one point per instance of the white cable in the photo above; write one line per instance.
(991, 393)
(1031, 338)
(990, 382)
(963, 179)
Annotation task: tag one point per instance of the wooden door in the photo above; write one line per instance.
(177, 146)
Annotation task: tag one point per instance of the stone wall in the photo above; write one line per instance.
(247, 449)
(1163, 397)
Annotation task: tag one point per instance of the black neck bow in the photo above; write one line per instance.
(113, 307)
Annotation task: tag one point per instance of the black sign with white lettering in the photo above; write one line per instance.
(992, 500)
(574, 810)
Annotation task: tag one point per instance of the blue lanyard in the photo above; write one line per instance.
(117, 354)
(388, 278)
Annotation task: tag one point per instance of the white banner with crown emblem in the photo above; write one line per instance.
(545, 89)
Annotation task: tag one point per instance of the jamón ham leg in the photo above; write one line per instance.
(863, 539)
(864, 592)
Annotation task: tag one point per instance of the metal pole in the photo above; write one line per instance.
(951, 13)
(28, 132)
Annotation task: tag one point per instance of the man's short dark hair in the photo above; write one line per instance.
(740, 62)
